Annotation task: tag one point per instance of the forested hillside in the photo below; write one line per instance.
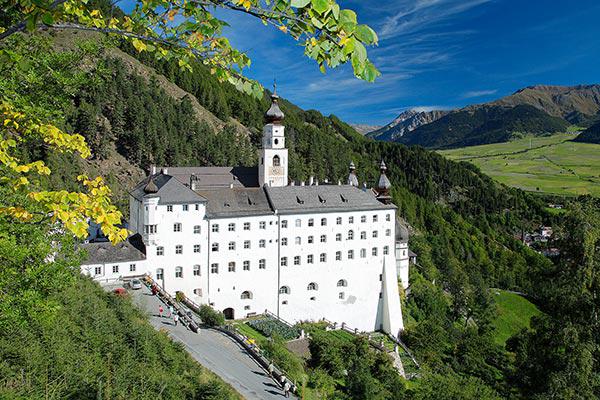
(463, 221)
(590, 135)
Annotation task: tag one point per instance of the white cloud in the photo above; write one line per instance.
(479, 93)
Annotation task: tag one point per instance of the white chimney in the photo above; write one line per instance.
(302, 183)
(339, 183)
(311, 180)
(153, 170)
(293, 183)
(165, 171)
(316, 182)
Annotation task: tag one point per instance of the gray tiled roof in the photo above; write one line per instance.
(322, 198)
(401, 232)
(214, 177)
(104, 252)
(231, 202)
(170, 191)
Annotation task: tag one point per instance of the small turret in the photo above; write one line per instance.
(352, 179)
(383, 185)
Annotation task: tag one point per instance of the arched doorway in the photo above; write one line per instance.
(228, 313)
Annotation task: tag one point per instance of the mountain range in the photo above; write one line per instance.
(536, 110)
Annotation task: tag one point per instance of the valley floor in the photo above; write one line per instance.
(552, 164)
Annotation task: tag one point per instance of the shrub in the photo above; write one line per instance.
(270, 326)
(210, 316)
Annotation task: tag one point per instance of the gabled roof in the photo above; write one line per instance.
(322, 198)
(133, 249)
(170, 190)
(231, 202)
(215, 177)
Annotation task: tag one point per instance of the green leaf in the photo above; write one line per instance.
(299, 3)
(370, 72)
(320, 6)
(360, 51)
(365, 34)
(335, 10)
(347, 16)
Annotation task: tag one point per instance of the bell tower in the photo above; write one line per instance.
(273, 163)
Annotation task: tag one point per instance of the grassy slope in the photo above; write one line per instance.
(552, 164)
(514, 314)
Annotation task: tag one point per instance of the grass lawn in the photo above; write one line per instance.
(248, 331)
(514, 314)
(550, 164)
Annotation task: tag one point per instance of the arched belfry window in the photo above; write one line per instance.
(342, 283)
(246, 295)
(276, 161)
(312, 286)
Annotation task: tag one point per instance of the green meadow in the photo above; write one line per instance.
(514, 313)
(550, 164)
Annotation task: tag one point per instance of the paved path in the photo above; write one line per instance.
(217, 352)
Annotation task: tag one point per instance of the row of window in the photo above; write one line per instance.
(284, 223)
(231, 266)
(184, 207)
(338, 256)
(115, 269)
(298, 240)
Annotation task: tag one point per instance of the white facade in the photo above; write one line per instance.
(303, 253)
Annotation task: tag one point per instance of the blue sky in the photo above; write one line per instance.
(433, 54)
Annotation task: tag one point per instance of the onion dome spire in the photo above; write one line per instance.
(274, 115)
(352, 179)
(150, 186)
(383, 185)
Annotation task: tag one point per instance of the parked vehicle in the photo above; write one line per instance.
(135, 284)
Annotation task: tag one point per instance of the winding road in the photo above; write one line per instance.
(215, 351)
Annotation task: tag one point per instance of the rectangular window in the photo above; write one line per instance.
(298, 240)
(177, 227)
(262, 243)
(350, 254)
(363, 235)
(246, 226)
(338, 256)
(298, 223)
(215, 247)
(311, 222)
(375, 234)
(296, 260)
(196, 270)
(386, 250)
(338, 221)
(284, 223)
(214, 268)
(196, 248)
(215, 228)
(323, 221)
(311, 239)
(341, 296)
(97, 270)
(246, 244)
(363, 218)
(115, 269)
(179, 249)
(323, 238)
(374, 251)
(262, 263)
(131, 267)
(231, 266)
(246, 265)
(178, 272)
(350, 220)
(323, 257)
(262, 225)
(196, 229)
(160, 274)
(375, 218)
(185, 207)
(388, 232)
(388, 217)
(150, 229)
(309, 259)
(284, 241)
(170, 208)
(363, 253)
(160, 251)
(231, 227)
(338, 237)
(283, 261)
(197, 207)
(231, 245)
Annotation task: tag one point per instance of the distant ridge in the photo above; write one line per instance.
(537, 110)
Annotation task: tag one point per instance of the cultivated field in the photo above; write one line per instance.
(552, 164)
